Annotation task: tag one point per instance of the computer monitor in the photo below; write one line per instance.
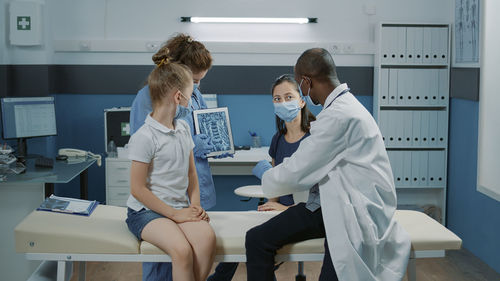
(28, 117)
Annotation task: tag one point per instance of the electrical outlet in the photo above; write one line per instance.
(84, 45)
(152, 46)
(348, 48)
(335, 49)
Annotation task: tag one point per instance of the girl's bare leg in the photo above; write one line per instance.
(166, 235)
(202, 239)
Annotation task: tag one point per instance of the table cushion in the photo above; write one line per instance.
(103, 232)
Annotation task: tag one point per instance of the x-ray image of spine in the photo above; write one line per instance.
(214, 124)
(466, 30)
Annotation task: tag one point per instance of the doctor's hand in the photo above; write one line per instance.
(261, 168)
(202, 145)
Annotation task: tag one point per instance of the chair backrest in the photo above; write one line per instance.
(301, 196)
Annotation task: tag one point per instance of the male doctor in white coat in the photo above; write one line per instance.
(352, 199)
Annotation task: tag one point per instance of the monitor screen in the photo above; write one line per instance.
(28, 117)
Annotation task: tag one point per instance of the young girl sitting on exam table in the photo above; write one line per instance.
(164, 206)
(293, 120)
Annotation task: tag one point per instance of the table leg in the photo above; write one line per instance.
(84, 184)
(49, 189)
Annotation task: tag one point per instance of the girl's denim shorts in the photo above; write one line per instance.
(137, 220)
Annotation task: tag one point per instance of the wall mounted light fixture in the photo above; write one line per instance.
(247, 20)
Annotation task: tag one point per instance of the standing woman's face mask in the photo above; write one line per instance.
(287, 102)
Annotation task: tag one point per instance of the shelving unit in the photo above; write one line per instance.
(411, 106)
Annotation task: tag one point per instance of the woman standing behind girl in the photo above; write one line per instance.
(164, 206)
(293, 121)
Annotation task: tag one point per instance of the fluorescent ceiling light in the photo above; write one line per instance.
(247, 20)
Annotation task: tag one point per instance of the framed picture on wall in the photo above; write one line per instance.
(466, 35)
(214, 122)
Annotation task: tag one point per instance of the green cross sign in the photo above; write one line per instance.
(24, 23)
(125, 129)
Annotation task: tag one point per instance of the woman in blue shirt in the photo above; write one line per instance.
(293, 121)
(184, 49)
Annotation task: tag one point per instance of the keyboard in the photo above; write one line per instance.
(44, 162)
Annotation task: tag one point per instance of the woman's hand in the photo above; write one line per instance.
(272, 206)
(190, 213)
(202, 214)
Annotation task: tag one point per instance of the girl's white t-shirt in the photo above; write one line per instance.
(168, 153)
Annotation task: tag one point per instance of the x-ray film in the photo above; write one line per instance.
(214, 122)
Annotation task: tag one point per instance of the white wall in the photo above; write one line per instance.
(123, 26)
(489, 100)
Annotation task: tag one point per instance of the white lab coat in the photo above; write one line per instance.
(345, 154)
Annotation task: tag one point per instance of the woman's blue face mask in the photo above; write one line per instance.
(287, 110)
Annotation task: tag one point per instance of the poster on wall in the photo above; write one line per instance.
(466, 37)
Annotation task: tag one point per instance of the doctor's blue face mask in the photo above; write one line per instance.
(307, 98)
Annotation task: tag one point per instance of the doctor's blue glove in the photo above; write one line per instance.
(224, 155)
(202, 145)
(261, 168)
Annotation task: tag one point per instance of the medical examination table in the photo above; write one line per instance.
(59, 239)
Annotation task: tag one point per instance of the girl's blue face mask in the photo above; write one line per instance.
(182, 112)
(287, 110)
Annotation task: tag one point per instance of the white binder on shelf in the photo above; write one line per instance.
(436, 168)
(424, 163)
(398, 158)
(424, 129)
(408, 129)
(401, 89)
(391, 128)
(427, 46)
(397, 167)
(443, 45)
(382, 124)
(384, 86)
(399, 128)
(401, 45)
(419, 44)
(386, 45)
(410, 45)
(443, 127)
(416, 130)
(393, 86)
(433, 82)
(436, 45)
(419, 86)
(433, 128)
(415, 168)
(407, 168)
(444, 88)
(413, 97)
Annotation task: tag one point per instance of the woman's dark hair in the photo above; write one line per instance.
(185, 50)
(306, 116)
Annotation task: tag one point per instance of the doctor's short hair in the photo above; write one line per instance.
(306, 116)
(317, 63)
(184, 49)
(167, 76)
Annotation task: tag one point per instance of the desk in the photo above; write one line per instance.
(62, 172)
(241, 164)
(19, 196)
